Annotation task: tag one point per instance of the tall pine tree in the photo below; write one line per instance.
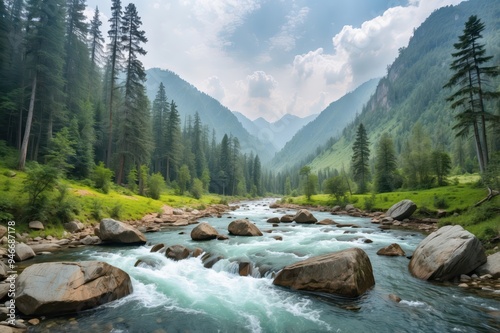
(360, 159)
(470, 76)
(385, 164)
(114, 62)
(160, 111)
(45, 60)
(134, 135)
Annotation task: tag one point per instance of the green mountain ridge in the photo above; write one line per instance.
(329, 123)
(190, 100)
(412, 91)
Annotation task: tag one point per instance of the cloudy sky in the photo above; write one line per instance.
(266, 58)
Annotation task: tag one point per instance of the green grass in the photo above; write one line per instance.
(456, 198)
(482, 221)
(89, 205)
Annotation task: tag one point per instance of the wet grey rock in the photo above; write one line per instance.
(447, 253)
(402, 210)
(67, 287)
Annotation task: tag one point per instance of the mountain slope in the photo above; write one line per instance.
(412, 90)
(190, 100)
(329, 123)
(277, 133)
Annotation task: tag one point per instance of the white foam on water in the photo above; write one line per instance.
(416, 304)
(253, 322)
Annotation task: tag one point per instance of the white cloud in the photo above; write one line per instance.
(191, 38)
(364, 52)
(290, 31)
(215, 88)
(260, 85)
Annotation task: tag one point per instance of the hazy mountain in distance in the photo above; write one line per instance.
(329, 123)
(277, 133)
(190, 100)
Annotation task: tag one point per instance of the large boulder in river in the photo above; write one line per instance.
(243, 228)
(118, 232)
(402, 210)
(304, 216)
(446, 253)
(204, 231)
(346, 273)
(67, 287)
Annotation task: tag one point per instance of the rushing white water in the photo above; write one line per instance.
(184, 296)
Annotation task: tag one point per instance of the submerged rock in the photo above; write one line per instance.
(346, 273)
(243, 228)
(447, 253)
(209, 260)
(118, 232)
(177, 252)
(67, 287)
(402, 210)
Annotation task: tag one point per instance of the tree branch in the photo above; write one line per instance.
(491, 195)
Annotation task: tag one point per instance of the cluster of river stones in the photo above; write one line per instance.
(58, 288)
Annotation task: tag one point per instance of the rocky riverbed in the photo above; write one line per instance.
(482, 282)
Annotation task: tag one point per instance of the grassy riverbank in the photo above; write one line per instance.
(77, 200)
(457, 200)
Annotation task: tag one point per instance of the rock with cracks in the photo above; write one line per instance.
(346, 273)
(68, 287)
(243, 228)
(402, 210)
(113, 231)
(447, 253)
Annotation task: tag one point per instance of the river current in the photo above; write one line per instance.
(184, 296)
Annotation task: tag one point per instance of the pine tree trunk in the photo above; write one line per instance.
(110, 127)
(27, 130)
(479, 149)
(121, 166)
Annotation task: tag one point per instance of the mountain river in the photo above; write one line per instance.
(184, 296)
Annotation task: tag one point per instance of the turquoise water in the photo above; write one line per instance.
(185, 296)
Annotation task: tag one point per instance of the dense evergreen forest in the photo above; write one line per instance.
(67, 96)
(74, 107)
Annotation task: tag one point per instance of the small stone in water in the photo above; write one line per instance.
(463, 285)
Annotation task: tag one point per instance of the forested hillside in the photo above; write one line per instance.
(74, 107)
(412, 92)
(190, 100)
